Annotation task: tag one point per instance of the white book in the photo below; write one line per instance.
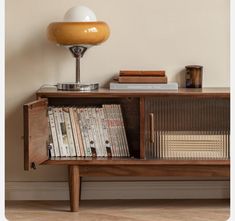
(131, 86)
(101, 132)
(106, 134)
(84, 131)
(95, 129)
(123, 131)
(113, 112)
(81, 141)
(53, 132)
(68, 126)
(74, 131)
(89, 128)
(92, 133)
(64, 133)
(50, 141)
(111, 130)
(58, 130)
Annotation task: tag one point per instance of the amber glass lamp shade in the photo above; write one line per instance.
(78, 33)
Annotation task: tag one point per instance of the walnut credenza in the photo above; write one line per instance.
(145, 113)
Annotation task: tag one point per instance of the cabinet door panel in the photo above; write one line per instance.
(35, 133)
(187, 127)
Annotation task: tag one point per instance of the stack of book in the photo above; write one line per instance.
(142, 80)
(87, 132)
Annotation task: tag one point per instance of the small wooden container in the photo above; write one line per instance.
(194, 76)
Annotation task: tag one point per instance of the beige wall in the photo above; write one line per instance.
(153, 34)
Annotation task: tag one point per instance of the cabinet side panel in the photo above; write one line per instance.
(35, 133)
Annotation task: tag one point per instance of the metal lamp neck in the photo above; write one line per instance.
(78, 52)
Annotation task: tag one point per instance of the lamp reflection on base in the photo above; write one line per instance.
(77, 87)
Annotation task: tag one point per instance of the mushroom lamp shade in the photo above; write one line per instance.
(79, 31)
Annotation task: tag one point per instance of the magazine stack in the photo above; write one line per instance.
(87, 132)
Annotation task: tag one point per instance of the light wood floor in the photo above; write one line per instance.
(120, 210)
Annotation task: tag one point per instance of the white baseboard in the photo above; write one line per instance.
(120, 190)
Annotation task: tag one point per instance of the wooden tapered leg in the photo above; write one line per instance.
(74, 187)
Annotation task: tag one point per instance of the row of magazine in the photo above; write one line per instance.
(87, 132)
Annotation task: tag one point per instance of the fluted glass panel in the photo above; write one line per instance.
(187, 128)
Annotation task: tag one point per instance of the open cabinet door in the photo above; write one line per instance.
(35, 133)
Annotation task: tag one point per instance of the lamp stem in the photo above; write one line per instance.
(78, 52)
(78, 69)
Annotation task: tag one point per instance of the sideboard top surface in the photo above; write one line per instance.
(104, 92)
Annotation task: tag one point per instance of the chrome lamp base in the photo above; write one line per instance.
(77, 87)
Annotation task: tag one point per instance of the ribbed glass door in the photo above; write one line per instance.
(184, 127)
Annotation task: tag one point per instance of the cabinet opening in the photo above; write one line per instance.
(130, 113)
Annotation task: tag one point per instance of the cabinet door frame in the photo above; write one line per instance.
(35, 133)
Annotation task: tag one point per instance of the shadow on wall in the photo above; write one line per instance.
(179, 77)
(27, 68)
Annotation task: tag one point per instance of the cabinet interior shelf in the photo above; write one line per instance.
(129, 161)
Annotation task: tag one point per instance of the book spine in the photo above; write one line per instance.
(160, 73)
(78, 124)
(58, 130)
(106, 133)
(53, 132)
(123, 131)
(93, 133)
(64, 133)
(52, 149)
(101, 132)
(74, 131)
(69, 132)
(112, 131)
(97, 132)
(84, 131)
(134, 79)
(117, 130)
(81, 141)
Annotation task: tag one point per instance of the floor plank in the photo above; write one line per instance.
(117, 210)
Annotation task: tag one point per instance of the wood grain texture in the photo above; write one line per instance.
(120, 210)
(156, 170)
(104, 92)
(74, 187)
(130, 161)
(35, 133)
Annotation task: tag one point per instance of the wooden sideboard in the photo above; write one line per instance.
(206, 109)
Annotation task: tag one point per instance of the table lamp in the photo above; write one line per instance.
(79, 31)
